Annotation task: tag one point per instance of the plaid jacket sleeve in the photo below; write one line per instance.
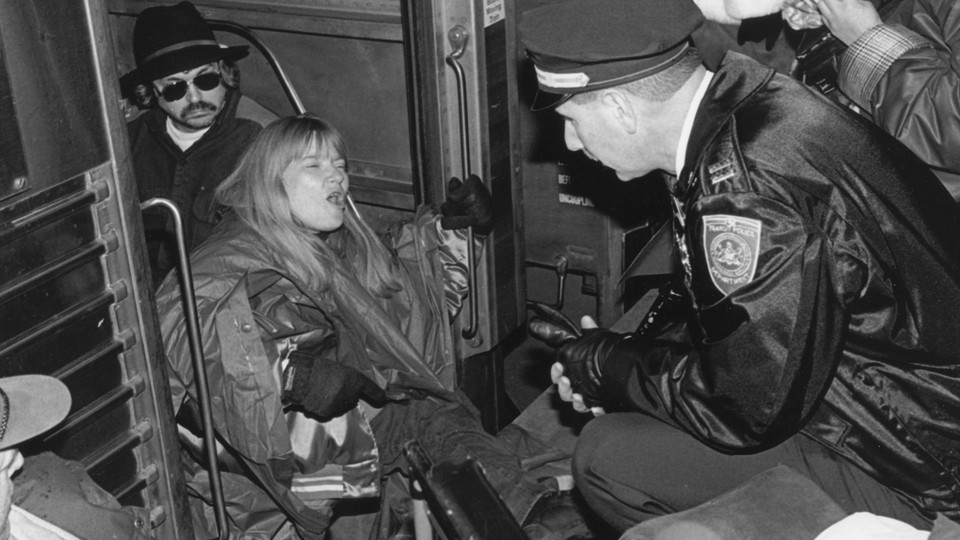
(906, 77)
(869, 58)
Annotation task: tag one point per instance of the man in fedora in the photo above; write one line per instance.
(193, 135)
(818, 267)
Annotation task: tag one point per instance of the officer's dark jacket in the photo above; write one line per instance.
(187, 178)
(825, 271)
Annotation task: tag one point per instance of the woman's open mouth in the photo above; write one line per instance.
(338, 198)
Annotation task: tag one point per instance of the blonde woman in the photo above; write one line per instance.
(324, 344)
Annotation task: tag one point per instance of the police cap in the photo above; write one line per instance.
(584, 45)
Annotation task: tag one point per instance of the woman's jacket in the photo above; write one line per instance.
(278, 464)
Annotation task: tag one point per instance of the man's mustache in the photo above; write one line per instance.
(200, 106)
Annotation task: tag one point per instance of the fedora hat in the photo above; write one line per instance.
(30, 405)
(171, 39)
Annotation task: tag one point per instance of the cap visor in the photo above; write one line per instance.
(547, 100)
(37, 403)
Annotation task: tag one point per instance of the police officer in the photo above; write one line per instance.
(820, 276)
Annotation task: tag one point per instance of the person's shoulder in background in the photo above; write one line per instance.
(61, 492)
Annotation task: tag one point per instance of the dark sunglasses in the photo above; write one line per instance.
(175, 91)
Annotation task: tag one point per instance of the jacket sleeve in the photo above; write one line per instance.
(243, 385)
(437, 251)
(745, 371)
(910, 85)
(240, 378)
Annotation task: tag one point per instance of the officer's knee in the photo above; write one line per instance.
(590, 449)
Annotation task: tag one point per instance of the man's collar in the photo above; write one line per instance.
(737, 78)
(688, 121)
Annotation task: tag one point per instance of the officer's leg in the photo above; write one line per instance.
(631, 468)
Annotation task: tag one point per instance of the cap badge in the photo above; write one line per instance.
(562, 80)
(731, 244)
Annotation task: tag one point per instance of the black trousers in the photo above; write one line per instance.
(631, 467)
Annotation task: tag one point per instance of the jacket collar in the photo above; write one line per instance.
(737, 79)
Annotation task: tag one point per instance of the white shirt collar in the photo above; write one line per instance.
(183, 139)
(688, 121)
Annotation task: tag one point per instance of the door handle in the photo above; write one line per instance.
(458, 37)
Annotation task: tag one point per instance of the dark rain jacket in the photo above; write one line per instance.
(824, 271)
(187, 178)
(906, 75)
(283, 468)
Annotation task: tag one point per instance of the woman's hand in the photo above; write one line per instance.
(468, 204)
(325, 387)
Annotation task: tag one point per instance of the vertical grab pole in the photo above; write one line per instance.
(458, 36)
(196, 352)
(254, 39)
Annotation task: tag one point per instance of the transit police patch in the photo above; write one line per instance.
(731, 244)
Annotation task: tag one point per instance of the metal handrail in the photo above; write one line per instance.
(249, 35)
(196, 355)
(458, 36)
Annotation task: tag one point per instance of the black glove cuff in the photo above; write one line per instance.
(605, 350)
(296, 378)
(620, 374)
(583, 362)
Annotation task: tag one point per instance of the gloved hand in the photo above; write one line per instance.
(551, 326)
(468, 204)
(326, 388)
(583, 359)
(550, 332)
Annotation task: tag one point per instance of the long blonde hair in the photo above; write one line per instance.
(256, 194)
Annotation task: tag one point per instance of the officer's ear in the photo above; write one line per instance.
(620, 107)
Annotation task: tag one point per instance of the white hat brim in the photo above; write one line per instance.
(37, 403)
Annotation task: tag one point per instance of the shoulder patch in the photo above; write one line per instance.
(731, 245)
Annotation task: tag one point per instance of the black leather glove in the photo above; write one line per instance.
(551, 326)
(583, 360)
(550, 332)
(468, 204)
(326, 388)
